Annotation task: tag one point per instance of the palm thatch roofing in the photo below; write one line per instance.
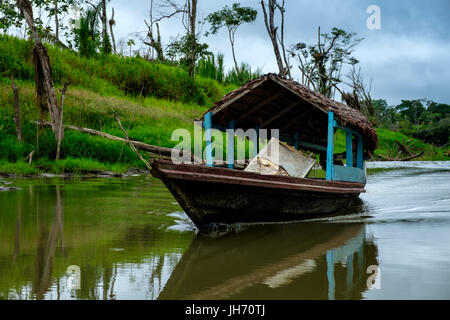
(273, 102)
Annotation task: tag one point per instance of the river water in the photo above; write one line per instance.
(104, 238)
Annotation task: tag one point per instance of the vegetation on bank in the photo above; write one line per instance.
(151, 98)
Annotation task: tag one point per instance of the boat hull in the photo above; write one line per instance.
(216, 195)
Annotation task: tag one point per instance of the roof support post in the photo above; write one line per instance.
(330, 146)
(207, 124)
(360, 153)
(349, 154)
(231, 139)
(297, 141)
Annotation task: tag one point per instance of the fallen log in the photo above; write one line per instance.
(402, 159)
(132, 146)
(162, 151)
(403, 149)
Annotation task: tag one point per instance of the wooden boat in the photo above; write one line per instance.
(306, 120)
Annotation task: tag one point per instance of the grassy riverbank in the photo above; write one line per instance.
(152, 100)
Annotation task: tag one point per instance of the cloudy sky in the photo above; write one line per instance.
(408, 58)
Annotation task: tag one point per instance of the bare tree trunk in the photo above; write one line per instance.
(16, 109)
(231, 36)
(287, 68)
(60, 122)
(192, 12)
(43, 74)
(112, 23)
(272, 31)
(105, 27)
(56, 21)
(155, 44)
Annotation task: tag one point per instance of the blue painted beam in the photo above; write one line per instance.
(305, 144)
(297, 141)
(330, 146)
(349, 142)
(337, 125)
(231, 147)
(360, 153)
(349, 174)
(312, 146)
(207, 124)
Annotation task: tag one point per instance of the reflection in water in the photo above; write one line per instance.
(46, 247)
(122, 249)
(296, 261)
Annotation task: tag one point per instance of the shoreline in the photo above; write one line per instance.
(130, 172)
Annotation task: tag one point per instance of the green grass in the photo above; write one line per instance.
(102, 87)
(387, 146)
(19, 168)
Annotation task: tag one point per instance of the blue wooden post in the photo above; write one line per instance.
(360, 154)
(231, 139)
(297, 141)
(330, 274)
(207, 124)
(330, 146)
(256, 142)
(349, 149)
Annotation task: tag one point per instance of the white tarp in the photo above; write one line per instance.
(279, 159)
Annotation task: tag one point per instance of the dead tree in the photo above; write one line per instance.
(272, 30)
(154, 43)
(112, 23)
(167, 10)
(352, 100)
(192, 18)
(361, 90)
(43, 76)
(56, 20)
(100, 9)
(16, 109)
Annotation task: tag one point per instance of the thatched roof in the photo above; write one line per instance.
(273, 102)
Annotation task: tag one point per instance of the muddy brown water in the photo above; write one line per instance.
(109, 238)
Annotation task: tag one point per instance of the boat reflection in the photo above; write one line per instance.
(295, 261)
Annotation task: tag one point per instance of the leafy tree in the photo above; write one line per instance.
(181, 50)
(384, 116)
(232, 18)
(100, 9)
(276, 38)
(441, 109)
(412, 110)
(10, 17)
(87, 36)
(130, 43)
(321, 64)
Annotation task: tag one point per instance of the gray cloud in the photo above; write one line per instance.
(407, 59)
